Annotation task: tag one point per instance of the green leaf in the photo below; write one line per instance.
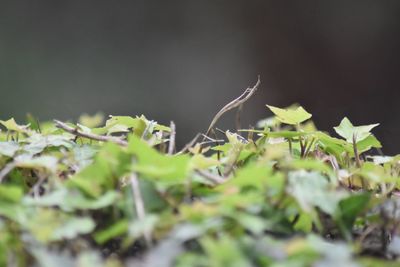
(51, 225)
(10, 193)
(290, 116)
(152, 164)
(109, 165)
(253, 176)
(200, 162)
(347, 130)
(311, 189)
(224, 251)
(117, 229)
(138, 227)
(368, 143)
(36, 143)
(9, 149)
(42, 162)
(91, 121)
(70, 200)
(333, 145)
(350, 208)
(253, 223)
(47, 257)
(32, 122)
(73, 227)
(11, 125)
(285, 134)
(304, 223)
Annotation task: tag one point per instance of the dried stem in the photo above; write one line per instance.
(139, 205)
(234, 103)
(190, 144)
(215, 179)
(209, 142)
(6, 170)
(290, 146)
(238, 119)
(232, 164)
(78, 133)
(356, 155)
(171, 146)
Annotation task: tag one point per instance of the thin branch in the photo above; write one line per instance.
(6, 170)
(78, 133)
(139, 205)
(290, 146)
(311, 143)
(237, 118)
(171, 146)
(220, 131)
(234, 103)
(209, 142)
(190, 144)
(35, 190)
(356, 155)
(211, 139)
(147, 129)
(231, 167)
(215, 179)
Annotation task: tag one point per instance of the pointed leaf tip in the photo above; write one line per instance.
(290, 116)
(348, 131)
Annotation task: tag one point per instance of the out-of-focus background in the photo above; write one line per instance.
(183, 60)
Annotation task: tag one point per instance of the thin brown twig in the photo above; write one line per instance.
(139, 205)
(171, 146)
(231, 167)
(234, 103)
(190, 144)
(238, 118)
(78, 133)
(217, 141)
(211, 139)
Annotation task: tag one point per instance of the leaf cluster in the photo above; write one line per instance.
(285, 194)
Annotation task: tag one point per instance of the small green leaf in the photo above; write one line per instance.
(311, 189)
(11, 125)
(349, 209)
(347, 130)
(10, 193)
(368, 143)
(117, 229)
(73, 227)
(290, 116)
(36, 143)
(91, 121)
(8, 149)
(153, 164)
(42, 162)
(253, 176)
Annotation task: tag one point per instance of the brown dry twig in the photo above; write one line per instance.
(239, 101)
(190, 144)
(77, 132)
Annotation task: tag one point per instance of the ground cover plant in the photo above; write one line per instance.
(120, 194)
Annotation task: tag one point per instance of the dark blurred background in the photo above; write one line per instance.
(183, 60)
